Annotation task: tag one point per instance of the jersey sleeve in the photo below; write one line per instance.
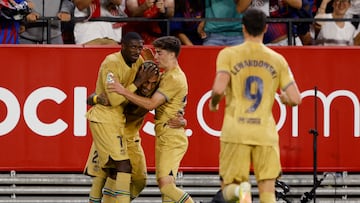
(222, 61)
(166, 87)
(110, 71)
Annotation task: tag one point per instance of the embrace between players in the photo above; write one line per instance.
(126, 89)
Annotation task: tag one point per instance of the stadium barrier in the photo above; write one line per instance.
(289, 21)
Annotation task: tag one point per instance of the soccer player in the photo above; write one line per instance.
(168, 100)
(248, 76)
(107, 122)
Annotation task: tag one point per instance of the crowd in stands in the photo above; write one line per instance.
(192, 21)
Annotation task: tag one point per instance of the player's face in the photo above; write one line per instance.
(162, 57)
(147, 87)
(132, 50)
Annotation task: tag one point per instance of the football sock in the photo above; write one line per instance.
(122, 188)
(96, 189)
(109, 191)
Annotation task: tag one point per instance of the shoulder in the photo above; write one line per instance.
(175, 77)
(232, 50)
(112, 60)
(113, 57)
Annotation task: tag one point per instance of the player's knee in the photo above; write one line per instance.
(165, 181)
(123, 166)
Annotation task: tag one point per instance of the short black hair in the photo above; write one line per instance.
(168, 43)
(131, 36)
(254, 21)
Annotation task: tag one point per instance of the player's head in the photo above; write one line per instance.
(148, 87)
(131, 47)
(254, 22)
(167, 50)
(168, 43)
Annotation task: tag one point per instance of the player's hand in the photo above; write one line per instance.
(147, 70)
(283, 97)
(177, 122)
(147, 54)
(212, 107)
(116, 87)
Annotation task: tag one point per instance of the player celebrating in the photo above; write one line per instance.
(169, 99)
(134, 118)
(107, 122)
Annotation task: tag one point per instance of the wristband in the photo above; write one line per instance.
(95, 99)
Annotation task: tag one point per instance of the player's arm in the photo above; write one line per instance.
(290, 95)
(148, 103)
(97, 99)
(142, 76)
(222, 79)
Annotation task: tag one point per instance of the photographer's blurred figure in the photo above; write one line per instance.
(98, 32)
(36, 32)
(12, 13)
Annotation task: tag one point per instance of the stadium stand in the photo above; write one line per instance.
(74, 188)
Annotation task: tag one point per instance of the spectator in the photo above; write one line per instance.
(187, 31)
(223, 32)
(67, 30)
(36, 32)
(11, 13)
(334, 32)
(277, 33)
(354, 12)
(98, 32)
(303, 29)
(149, 31)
